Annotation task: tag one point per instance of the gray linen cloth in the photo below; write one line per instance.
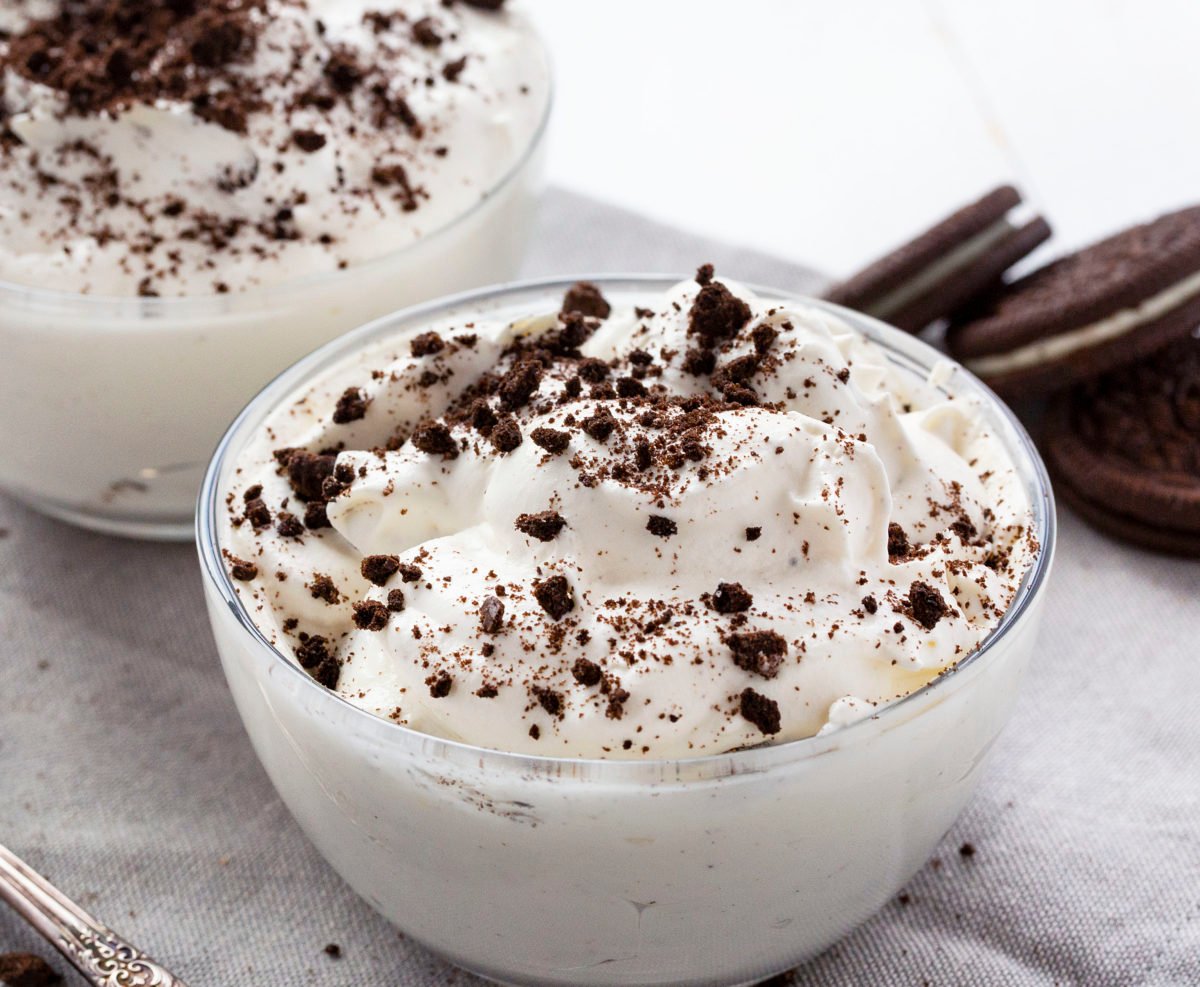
(125, 775)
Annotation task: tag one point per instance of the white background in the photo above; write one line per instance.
(826, 132)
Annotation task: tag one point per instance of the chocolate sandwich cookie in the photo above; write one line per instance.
(1089, 312)
(1124, 450)
(946, 267)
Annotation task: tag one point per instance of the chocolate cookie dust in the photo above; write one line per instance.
(219, 60)
(26, 970)
(581, 418)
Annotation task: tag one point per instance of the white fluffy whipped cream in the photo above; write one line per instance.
(674, 560)
(164, 194)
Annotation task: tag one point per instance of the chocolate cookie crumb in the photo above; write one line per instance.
(764, 338)
(427, 344)
(731, 598)
(334, 951)
(257, 513)
(554, 596)
(661, 527)
(600, 426)
(897, 541)
(312, 650)
(409, 572)
(627, 387)
(306, 472)
(586, 299)
(308, 141)
(327, 673)
(26, 970)
(435, 439)
(550, 439)
(520, 384)
(240, 569)
(549, 700)
(717, 313)
(440, 684)
(967, 850)
(491, 615)
(586, 673)
(315, 516)
(759, 652)
(322, 587)
(370, 615)
(761, 711)
(753, 534)
(870, 604)
(544, 526)
(425, 33)
(535, 732)
(927, 604)
(699, 363)
(395, 600)
(378, 569)
(289, 525)
(506, 435)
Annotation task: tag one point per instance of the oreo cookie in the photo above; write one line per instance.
(1087, 313)
(945, 268)
(1124, 450)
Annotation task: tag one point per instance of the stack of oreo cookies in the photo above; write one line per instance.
(1109, 336)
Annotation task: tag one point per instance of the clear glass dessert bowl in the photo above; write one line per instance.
(110, 407)
(541, 870)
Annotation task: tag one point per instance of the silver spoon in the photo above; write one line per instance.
(97, 952)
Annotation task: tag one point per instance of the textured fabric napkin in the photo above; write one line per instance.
(126, 778)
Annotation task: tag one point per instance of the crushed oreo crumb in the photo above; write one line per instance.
(554, 596)
(440, 684)
(552, 440)
(427, 344)
(378, 569)
(370, 615)
(435, 439)
(759, 652)
(587, 673)
(731, 598)
(586, 299)
(761, 711)
(897, 541)
(926, 604)
(544, 526)
(661, 527)
(491, 615)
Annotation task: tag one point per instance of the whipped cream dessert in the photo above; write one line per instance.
(199, 147)
(696, 524)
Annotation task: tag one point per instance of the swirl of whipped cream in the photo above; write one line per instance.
(705, 523)
(192, 149)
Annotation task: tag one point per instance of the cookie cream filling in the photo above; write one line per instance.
(705, 521)
(204, 148)
(1101, 331)
(943, 269)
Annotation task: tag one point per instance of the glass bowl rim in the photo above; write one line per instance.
(893, 341)
(183, 306)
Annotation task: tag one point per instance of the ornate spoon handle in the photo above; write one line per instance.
(97, 952)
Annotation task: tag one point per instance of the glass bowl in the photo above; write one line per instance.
(541, 870)
(110, 407)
